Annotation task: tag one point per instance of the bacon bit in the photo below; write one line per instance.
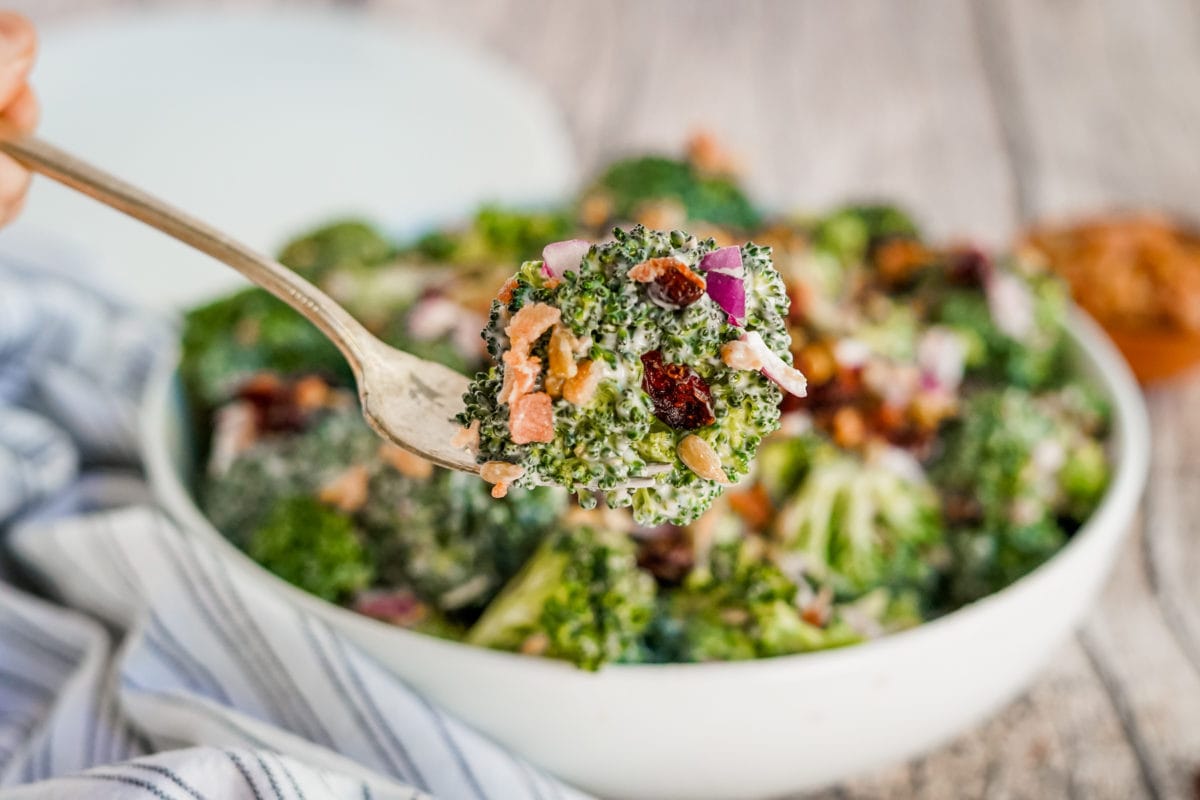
(505, 295)
(529, 323)
(899, 259)
(753, 506)
(739, 355)
(468, 437)
(311, 393)
(531, 419)
(410, 465)
(849, 428)
(521, 372)
(348, 491)
(595, 210)
(580, 389)
(562, 353)
(708, 155)
(535, 645)
(817, 612)
(500, 474)
(698, 455)
(817, 363)
(661, 215)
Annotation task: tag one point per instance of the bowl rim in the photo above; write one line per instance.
(1101, 360)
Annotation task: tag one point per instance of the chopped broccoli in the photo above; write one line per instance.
(1034, 361)
(334, 247)
(580, 597)
(230, 339)
(627, 186)
(497, 235)
(739, 606)
(850, 232)
(633, 346)
(1016, 467)
(448, 539)
(857, 524)
(313, 547)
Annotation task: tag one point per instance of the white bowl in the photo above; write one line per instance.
(748, 729)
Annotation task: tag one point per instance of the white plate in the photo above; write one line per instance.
(266, 123)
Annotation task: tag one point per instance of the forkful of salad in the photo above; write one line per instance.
(646, 369)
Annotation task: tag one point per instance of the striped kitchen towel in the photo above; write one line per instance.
(149, 669)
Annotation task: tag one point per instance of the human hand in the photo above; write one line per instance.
(18, 105)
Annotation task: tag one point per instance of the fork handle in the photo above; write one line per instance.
(334, 321)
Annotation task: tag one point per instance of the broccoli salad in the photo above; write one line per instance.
(655, 354)
(944, 448)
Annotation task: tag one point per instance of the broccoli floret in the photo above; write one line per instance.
(338, 246)
(313, 547)
(738, 606)
(850, 232)
(631, 341)
(230, 339)
(1020, 471)
(448, 539)
(580, 597)
(497, 235)
(858, 524)
(627, 186)
(1034, 361)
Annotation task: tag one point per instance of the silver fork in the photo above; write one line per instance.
(407, 400)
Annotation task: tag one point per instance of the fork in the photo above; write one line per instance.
(406, 400)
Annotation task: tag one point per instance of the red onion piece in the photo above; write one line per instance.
(724, 259)
(942, 356)
(724, 273)
(560, 258)
(790, 379)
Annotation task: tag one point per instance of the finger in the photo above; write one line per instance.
(24, 110)
(14, 183)
(18, 46)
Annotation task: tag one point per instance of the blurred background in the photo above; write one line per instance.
(981, 117)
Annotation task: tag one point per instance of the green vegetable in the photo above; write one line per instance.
(608, 440)
(338, 246)
(630, 184)
(1037, 361)
(313, 547)
(740, 606)
(448, 539)
(849, 232)
(857, 524)
(1021, 465)
(230, 339)
(580, 597)
(497, 235)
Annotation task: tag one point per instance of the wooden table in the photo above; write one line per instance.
(979, 116)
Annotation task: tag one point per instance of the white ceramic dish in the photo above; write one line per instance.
(749, 729)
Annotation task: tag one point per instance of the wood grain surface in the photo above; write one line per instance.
(980, 116)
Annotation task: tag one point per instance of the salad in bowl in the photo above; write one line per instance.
(899, 558)
(944, 448)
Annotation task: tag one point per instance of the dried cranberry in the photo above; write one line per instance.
(677, 286)
(681, 397)
(666, 553)
(274, 404)
(968, 266)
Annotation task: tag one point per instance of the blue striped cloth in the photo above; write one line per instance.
(148, 669)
